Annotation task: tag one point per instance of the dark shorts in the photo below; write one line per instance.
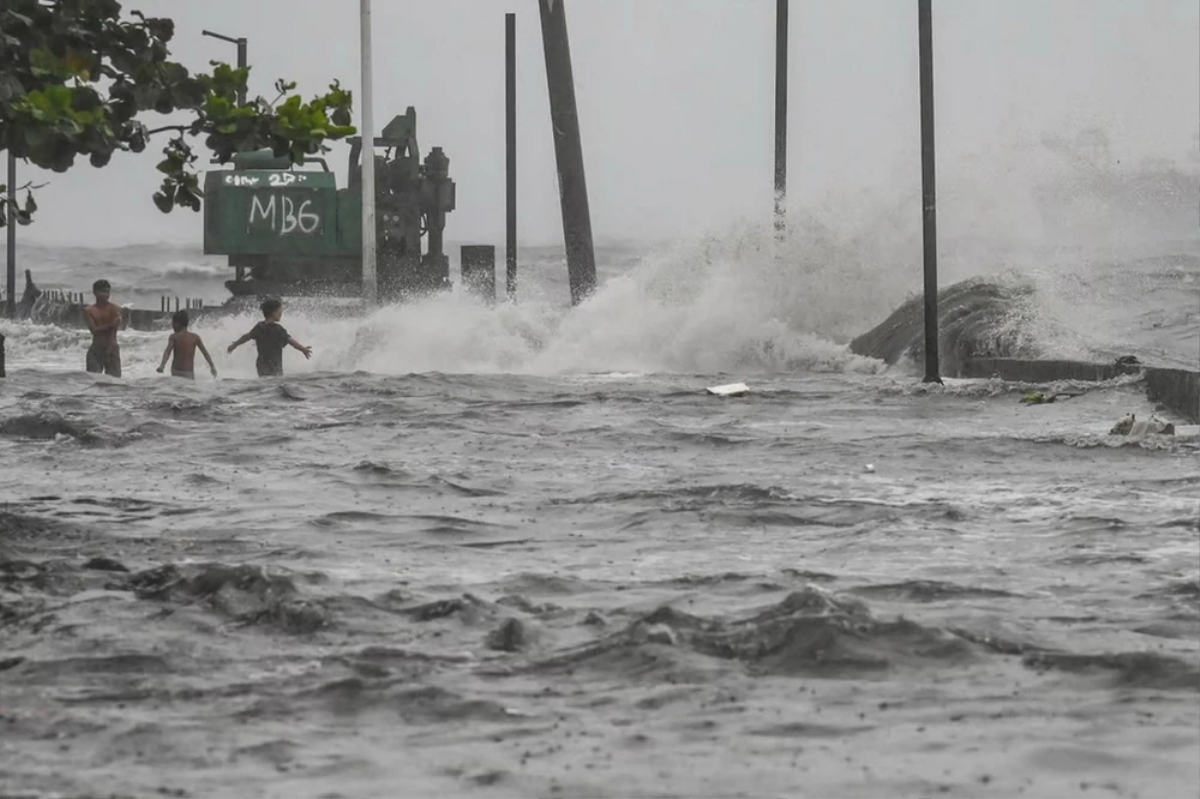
(104, 359)
(269, 369)
(181, 373)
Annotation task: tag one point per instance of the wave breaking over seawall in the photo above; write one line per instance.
(973, 322)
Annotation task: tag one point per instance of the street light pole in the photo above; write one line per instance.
(241, 55)
(368, 159)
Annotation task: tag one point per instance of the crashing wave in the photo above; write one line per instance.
(973, 322)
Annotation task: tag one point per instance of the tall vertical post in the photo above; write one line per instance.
(241, 54)
(510, 142)
(568, 151)
(11, 284)
(241, 47)
(781, 99)
(368, 159)
(928, 193)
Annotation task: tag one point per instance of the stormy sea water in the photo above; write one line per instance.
(518, 551)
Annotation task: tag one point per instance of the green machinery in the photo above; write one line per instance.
(291, 231)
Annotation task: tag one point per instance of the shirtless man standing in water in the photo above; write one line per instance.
(104, 320)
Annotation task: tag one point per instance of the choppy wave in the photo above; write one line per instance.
(810, 632)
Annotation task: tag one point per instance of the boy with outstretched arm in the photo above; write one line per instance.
(271, 338)
(184, 343)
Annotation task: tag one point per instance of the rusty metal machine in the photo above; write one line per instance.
(290, 231)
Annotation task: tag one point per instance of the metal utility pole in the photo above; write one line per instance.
(781, 98)
(510, 141)
(241, 55)
(11, 215)
(568, 151)
(369, 287)
(928, 193)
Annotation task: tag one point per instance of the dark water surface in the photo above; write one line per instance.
(596, 585)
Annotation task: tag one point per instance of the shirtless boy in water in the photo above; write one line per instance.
(104, 320)
(184, 343)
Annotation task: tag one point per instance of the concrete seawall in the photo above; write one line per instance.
(137, 319)
(975, 340)
(1177, 389)
(70, 315)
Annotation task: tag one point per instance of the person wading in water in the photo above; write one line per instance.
(104, 320)
(271, 338)
(183, 344)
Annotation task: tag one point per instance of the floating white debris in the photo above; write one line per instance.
(728, 390)
(870, 468)
(1140, 428)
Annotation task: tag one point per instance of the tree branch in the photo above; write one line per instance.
(59, 50)
(165, 128)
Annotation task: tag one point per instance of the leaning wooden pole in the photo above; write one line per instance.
(568, 151)
(928, 193)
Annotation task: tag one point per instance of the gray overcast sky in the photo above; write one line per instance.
(676, 99)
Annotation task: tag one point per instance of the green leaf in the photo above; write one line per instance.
(163, 29)
(186, 197)
(136, 140)
(164, 203)
(10, 87)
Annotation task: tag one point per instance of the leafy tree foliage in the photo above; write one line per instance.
(76, 79)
